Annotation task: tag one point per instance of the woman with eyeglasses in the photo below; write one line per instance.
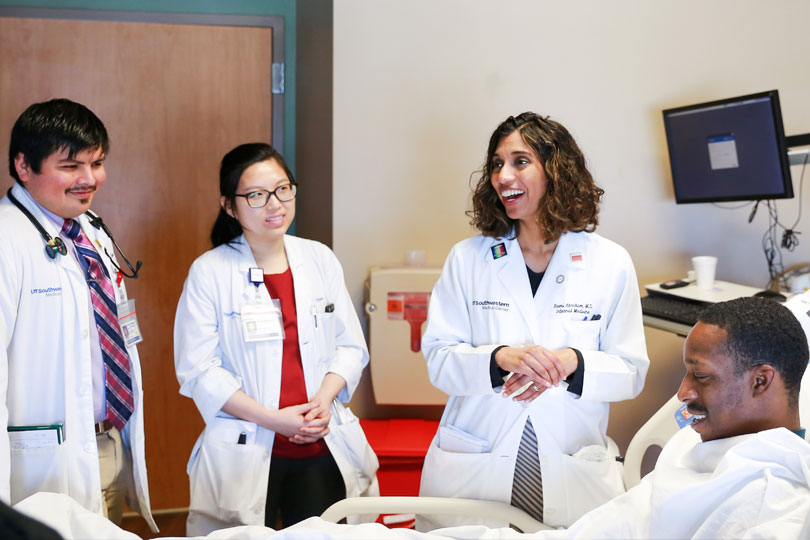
(268, 345)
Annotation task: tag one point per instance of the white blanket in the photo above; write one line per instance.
(749, 487)
(70, 519)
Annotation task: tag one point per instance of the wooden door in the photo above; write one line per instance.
(174, 99)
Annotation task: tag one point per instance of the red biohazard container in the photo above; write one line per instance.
(400, 445)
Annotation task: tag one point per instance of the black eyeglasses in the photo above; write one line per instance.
(260, 197)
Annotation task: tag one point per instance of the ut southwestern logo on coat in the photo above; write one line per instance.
(49, 291)
(491, 304)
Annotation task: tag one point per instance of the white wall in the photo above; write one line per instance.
(419, 86)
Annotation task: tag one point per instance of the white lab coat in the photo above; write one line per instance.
(481, 302)
(750, 486)
(45, 375)
(229, 480)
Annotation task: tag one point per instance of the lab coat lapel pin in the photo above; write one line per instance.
(577, 259)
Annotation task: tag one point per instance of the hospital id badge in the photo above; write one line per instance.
(262, 322)
(128, 321)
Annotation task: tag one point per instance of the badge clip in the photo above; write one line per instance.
(256, 277)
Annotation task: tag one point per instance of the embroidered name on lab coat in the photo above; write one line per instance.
(584, 309)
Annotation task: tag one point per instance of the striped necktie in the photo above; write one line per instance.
(117, 370)
(527, 485)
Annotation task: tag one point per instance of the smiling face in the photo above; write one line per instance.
(269, 223)
(64, 185)
(518, 178)
(720, 400)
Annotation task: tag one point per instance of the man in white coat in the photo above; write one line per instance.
(71, 411)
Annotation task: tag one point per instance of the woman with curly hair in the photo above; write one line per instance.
(542, 311)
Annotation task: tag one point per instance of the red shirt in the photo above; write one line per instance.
(293, 387)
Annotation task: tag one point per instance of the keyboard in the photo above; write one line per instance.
(672, 309)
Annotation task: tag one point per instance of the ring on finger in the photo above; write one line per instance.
(534, 386)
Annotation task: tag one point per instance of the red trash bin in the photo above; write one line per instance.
(400, 445)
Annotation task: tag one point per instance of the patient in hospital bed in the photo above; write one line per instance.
(740, 470)
(743, 469)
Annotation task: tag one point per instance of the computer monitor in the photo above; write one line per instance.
(729, 150)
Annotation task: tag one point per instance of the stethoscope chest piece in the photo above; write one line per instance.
(55, 247)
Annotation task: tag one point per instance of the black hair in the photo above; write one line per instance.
(51, 126)
(762, 331)
(234, 164)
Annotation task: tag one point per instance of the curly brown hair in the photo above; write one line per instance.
(571, 201)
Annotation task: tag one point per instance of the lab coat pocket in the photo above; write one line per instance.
(228, 479)
(324, 330)
(592, 477)
(452, 439)
(457, 474)
(481, 475)
(583, 335)
(38, 469)
(353, 454)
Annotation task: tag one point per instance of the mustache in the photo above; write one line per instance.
(694, 408)
(80, 188)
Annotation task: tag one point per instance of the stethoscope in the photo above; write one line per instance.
(56, 246)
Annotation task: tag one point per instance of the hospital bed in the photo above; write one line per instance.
(434, 505)
(73, 521)
(655, 432)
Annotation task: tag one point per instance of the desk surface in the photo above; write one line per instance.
(721, 292)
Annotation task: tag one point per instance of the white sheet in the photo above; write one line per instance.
(753, 486)
(70, 519)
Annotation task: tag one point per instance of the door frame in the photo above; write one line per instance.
(275, 22)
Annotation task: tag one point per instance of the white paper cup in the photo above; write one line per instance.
(705, 267)
(415, 257)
